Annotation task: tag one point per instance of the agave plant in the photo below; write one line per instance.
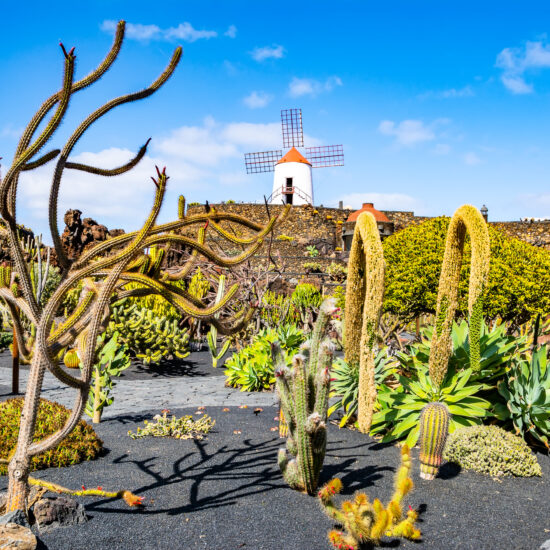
(345, 383)
(399, 414)
(496, 350)
(526, 392)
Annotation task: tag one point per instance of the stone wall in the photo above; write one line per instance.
(536, 233)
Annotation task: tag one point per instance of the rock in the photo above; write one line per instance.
(3, 500)
(79, 233)
(16, 537)
(60, 511)
(17, 516)
(545, 545)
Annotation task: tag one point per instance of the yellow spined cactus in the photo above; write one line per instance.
(71, 359)
(364, 296)
(466, 219)
(366, 523)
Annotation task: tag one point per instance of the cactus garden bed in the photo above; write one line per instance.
(226, 492)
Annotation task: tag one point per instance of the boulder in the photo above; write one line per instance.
(59, 511)
(16, 537)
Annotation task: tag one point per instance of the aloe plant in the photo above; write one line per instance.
(526, 391)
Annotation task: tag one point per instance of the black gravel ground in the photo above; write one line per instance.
(226, 493)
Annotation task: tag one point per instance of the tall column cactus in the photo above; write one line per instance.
(303, 390)
(466, 219)
(364, 296)
(105, 269)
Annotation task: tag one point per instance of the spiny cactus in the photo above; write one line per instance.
(303, 390)
(364, 296)
(363, 522)
(434, 429)
(105, 269)
(212, 336)
(466, 219)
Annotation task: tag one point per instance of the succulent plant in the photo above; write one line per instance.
(434, 429)
(303, 390)
(365, 523)
(179, 428)
(491, 450)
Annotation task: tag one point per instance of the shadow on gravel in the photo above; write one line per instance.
(252, 465)
(166, 369)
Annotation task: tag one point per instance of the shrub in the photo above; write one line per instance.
(252, 368)
(516, 290)
(81, 444)
(337, 271)
(277, 310)
(491, 450)
(312, 251)
(6, 339)
(306, 295)
(313, 267)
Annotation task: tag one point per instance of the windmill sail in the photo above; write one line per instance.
(326, 155)
(262, 161)
(293, 133)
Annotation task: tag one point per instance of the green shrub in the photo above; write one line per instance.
(313, 267)
(306, 295)
(6, 339)
(81, 444)
(516, 291)
(252, 368)
(337, 271)
(491, 450)
(277, 310)
(312, 251)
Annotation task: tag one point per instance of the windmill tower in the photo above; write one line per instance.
(292, 178)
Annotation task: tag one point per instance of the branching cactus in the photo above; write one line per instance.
(364, 296)
(104, 271)
(364, 523)
(466, 219)
(434, 429)
(303, 390)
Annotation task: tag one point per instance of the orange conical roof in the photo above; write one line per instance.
(368, 207)
(294, 156)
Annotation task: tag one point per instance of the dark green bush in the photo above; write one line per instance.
(519, 281)
(81, 444)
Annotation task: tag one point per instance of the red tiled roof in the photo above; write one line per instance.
(368, 207)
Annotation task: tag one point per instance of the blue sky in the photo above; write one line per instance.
(436, 104)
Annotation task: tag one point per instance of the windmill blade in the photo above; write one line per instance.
(262, 161)
(293, 133)
(326, 155)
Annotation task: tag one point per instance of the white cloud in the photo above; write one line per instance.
(452, 93)
(441, 149)
(471, 159)
(257, 100)
(231, 31)
(407, 132)
(268, 52)
(184, 31)
(309, 86)
(383, 201)
(9, 131)
(515, 62)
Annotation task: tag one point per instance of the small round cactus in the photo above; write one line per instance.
(434, 429)
(71, 359)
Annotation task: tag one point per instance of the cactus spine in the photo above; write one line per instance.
(303, 390)
(466, 219)
(212, 336)
(434, 429)
(364, 296)
(363, 522)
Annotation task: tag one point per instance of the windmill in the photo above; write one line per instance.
(292, 181)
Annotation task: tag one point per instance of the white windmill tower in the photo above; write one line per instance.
(292, 180)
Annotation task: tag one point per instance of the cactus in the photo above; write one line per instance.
(364, 296)
(303, 390)
(434, 429)
(466, 218)
(363, 522)
(212, 336)
(71, 359)
(106, 270)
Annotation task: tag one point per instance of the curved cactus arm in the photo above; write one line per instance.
(31, 165)
(189, 264)
(113, 171)
(19, 302)
(322, 378)
(466, 219)
(78, 133)
(364, 297)
(104, 246)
